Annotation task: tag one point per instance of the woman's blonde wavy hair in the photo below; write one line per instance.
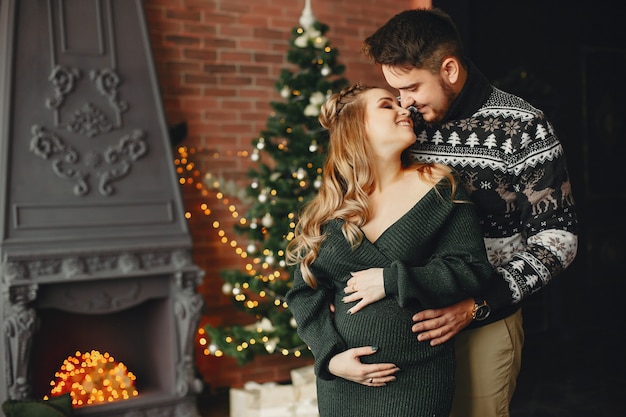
(347, 180)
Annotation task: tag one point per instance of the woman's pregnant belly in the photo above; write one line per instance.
(385, 325)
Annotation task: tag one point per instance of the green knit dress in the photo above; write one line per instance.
(433, 256)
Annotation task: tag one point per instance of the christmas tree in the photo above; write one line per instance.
(289, 154)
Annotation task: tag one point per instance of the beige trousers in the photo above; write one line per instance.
(488, 362)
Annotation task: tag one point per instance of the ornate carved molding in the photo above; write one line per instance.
(63, 80)
(65, 159)
(120, 157)
(89, 120)
(19, 324)
(104, 301)
(107, 81)
(13, 271)
(68, 267)
(188, 306)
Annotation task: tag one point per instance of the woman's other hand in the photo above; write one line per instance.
(368, 286)
(348, 365)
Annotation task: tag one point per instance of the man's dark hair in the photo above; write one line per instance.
(419, 38)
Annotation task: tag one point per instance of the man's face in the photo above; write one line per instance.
(431, 94)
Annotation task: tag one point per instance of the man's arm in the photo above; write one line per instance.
(547, 221)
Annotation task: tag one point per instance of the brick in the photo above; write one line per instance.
(223, 43)
(266, 33)
(199, 54)
(223, 19)
(254, 20)
(261, 57)
(241, 105)
(236, 31)
(234, 7)
(182, 15)
(240, 81)
(203, 79)
(181, 90)
(182, 40)
(199, 29)
(236, 56)
(183, 66)
(253, 69)
(254, 44)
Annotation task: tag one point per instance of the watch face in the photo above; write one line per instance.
(482, 312)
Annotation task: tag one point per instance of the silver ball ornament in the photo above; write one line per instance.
(267, 220)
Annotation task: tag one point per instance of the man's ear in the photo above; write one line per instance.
(451, 70)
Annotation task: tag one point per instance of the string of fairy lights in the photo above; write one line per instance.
(211, 189)
(263, 269)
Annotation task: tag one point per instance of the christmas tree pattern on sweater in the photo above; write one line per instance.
(514, 168)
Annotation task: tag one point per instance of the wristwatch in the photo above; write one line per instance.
(481, 309)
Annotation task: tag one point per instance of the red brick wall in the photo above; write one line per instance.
(217, 62)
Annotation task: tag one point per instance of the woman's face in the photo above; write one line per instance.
(389, 126)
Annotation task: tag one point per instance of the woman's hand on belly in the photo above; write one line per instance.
(347, 365)
(366, 287)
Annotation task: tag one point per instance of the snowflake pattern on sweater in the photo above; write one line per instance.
(514, 168)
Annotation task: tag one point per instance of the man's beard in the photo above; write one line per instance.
(439, 114)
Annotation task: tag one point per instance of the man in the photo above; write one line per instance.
(513, 165)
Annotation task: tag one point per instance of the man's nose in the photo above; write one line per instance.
(406, 102)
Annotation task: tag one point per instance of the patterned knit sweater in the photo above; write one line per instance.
(513, 166)
(437, 247)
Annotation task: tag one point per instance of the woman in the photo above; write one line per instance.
(406, 223)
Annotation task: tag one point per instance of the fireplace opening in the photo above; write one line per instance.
(141, 336)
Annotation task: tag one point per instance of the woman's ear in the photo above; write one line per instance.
(451, 70)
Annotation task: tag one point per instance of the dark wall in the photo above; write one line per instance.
(570, 61)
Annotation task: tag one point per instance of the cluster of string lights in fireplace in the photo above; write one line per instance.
(93, 378)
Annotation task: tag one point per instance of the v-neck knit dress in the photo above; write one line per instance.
(432, 256)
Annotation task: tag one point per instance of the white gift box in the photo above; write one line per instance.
(306, 408)
(241, 400)
(302, 376)
(305, 392)
(270, 399)
(262, 400)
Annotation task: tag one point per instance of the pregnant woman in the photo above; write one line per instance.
(410, 227)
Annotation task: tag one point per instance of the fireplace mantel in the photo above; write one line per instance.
(92, 223)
